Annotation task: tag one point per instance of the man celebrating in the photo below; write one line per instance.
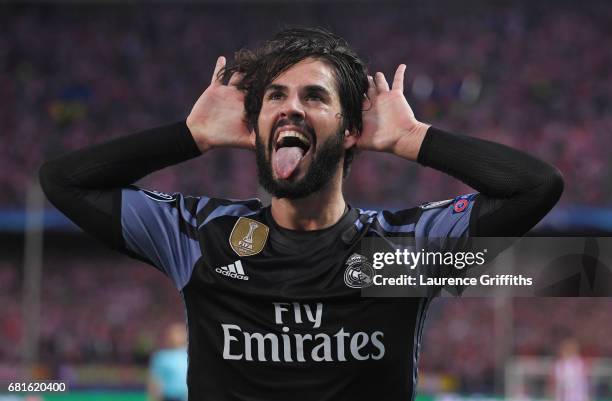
(273, 302)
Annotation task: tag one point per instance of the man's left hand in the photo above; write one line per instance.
(389, 124)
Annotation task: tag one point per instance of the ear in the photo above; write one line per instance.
(350, 138)
(252, 139)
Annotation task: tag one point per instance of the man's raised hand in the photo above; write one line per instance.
(389, 124)
(218, 119)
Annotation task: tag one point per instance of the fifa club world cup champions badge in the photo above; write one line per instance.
(248, 237)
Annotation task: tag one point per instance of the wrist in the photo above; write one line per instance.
(200, 140)
(410, 142)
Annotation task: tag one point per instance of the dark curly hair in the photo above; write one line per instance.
(287, 48)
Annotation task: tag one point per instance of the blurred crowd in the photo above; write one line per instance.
(537, 77)
(462, 337)
(114, 310)
(107, 310)
(534, 76)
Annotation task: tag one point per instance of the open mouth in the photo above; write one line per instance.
(293, 139)
(290, 148)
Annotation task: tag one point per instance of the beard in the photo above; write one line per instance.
(324, 165)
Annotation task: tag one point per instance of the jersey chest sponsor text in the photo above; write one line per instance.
(306, 342)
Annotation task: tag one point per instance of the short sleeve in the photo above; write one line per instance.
(446, 228)
(161, 229)
(445, 224)
(155, 366)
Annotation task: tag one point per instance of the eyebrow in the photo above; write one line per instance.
(308, 88)
(276, 87)
(318, 89)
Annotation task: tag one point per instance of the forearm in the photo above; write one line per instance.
(123, 161)
(86, 184)
(491, 168)
(516, 189)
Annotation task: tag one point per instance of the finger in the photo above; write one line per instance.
(372, 92)
(398, 79)
(381, 82)
(235, 78)
(252, 143)
(216, 79)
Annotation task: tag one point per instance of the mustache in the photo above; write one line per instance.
(297, 122)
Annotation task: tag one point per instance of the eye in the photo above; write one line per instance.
(276, 95)
(314, 96)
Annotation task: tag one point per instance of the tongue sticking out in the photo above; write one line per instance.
(285, 160)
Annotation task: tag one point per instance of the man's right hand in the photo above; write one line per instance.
(218, 119)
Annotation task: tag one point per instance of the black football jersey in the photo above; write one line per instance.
(275, 314)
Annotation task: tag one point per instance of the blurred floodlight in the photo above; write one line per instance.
(422, 87)
(470, 89)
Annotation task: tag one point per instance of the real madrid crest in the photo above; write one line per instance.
(359, 272)
(248, 236)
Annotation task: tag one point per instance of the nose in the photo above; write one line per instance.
(292, 108)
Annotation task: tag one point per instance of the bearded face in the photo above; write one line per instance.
(300, 133)
(283, 174)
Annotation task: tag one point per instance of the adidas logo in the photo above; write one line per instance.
(233, 270)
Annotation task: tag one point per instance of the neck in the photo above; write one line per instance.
(319, 210)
